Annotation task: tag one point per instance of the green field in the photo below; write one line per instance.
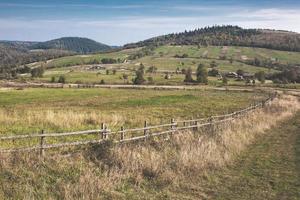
(30, 110)
(163, 57)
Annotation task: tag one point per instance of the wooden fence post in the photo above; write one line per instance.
(211, 124)
(196, 124)
(103, 131)
(122, 133)
(145, 130)
(42, 138)
(173, 126)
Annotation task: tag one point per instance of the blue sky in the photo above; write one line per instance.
(117, 22)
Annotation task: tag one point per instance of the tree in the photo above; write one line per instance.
(256, 62)
(189, 76)
(53, 79)
(213, 64)
(37, 72)
(61, 79)
(152, 69)
(224, 80)
(150, 79)
(261, 76)
(125, 77)
(139, 76)
(240, 72)
(202, 74)
(108, 61)
(213, 72)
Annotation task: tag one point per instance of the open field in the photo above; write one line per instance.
(194, 54)
(170, 171)
(163, 57)
(30, 110)
(79, 68)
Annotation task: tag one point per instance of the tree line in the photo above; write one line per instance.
(227, 36)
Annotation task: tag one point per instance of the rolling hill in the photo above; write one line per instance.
(228, 36)
(74, 44)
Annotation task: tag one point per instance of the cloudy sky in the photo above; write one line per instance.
(117, 22)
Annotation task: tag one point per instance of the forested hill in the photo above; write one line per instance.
(75, 44)
(228, 36)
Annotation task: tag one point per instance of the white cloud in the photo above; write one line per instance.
(269, 14)
(130, 29)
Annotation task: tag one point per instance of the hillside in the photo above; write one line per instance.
(75, 44)
(228, 36)
(14, 55)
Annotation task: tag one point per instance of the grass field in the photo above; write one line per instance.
(30, 110)
(75, 70)
(268, 170)
(163, 57)
(198, 165)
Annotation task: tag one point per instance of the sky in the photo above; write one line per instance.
(117, 22)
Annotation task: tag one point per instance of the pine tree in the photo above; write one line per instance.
(202, 74)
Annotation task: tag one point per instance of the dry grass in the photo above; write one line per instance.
(136, 170)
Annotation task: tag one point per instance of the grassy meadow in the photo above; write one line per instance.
(76, 68)
(186, 166)
(56, 110)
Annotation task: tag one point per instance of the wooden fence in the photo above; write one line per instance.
(127, 135)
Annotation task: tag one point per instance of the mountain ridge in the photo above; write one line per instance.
(228, 36)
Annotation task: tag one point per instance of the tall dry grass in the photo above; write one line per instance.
(112, 171)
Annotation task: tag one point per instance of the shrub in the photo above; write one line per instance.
(202, 74)
(52, 79)
(189, 76)
(62, 79)
(37, 72)
(139, 78)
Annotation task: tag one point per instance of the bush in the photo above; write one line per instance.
(225, 80)
(189, 76)
(202, 74)
(61, 79)
(52, 79)
(108, 61)
(37, 72)
(213, 72)
(139, 78)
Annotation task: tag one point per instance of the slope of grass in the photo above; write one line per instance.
(234, 52)
(270, 169)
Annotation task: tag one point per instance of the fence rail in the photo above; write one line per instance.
(121, 136)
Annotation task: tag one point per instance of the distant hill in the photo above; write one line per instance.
(75, 44)
(20, 45)
(228, 36)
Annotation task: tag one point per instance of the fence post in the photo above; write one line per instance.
(106, 132)
(211, 124)
(103, 131)
(196, 124)
(122, 133)
(42, 153)
(173, 126)
(145, 130)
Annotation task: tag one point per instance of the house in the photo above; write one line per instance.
(248, 76)
(232, 75)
